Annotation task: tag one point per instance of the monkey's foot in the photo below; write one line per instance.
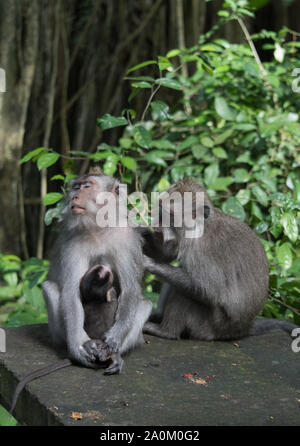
(156, 330)
(115, 366)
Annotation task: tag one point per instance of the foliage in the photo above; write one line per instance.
(233, 125)
(21, 292)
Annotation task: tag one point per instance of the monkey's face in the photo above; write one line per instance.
(84, 190)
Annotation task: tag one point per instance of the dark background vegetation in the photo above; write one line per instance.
(65, 62)
(204, 105)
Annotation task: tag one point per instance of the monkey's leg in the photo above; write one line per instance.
(156, 330)
(51, 296)
(135, 335)
(157, 314)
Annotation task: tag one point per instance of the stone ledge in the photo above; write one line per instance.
(254, 381)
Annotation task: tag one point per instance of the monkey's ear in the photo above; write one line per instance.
(95, 171)
(206, 211)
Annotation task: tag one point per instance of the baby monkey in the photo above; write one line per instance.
(99, 290)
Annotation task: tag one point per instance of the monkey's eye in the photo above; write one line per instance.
(87, 184)
(76, 186)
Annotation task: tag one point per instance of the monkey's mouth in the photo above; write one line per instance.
(77, 210)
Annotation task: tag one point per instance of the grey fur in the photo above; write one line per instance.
(81, 245)
(221, 284)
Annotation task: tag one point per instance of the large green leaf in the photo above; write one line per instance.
(129, 162)
(290, 226)
(284, 256)
(221, 183)
(211, 173)
(47, 160)
(223, 109)
(32, 154)
(233, 207)
(160, 111)
(260, 195)
(109, 122)
(169, 82)
(142, 137)
(51, 198)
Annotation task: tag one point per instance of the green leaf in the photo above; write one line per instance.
(241, 176)
(125, 143)
(32, 154)
(207, 141)
(279, 52)
(233, 207)
(255, 211)
(128, 162)
(219, 153)
(199, 151)
(97, 156)
(142, 137)
(169, 83)
(110, 165)
(260, 195)
(141, 84)
(160, 111)
(9, 291)
(6, 419)
(57, 177)
(141, 65)
(211, 173)
(47, 160)
(188, 142)
(109, 122)
(223, 13)
(219, 139)
(163, 184)
(51, 198)
(157, 157)
(211, 47)
(223, 109)
(163, 63)
(243, 196)
(221, 183)
(284, 256)
(290, 226)
(260, 228)
(163, 144)
(54, 212)
(173, 53)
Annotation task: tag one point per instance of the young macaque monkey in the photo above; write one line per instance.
(222, 281)
(99, 290)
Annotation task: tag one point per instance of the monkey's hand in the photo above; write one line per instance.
(98, 349)
(149, 264)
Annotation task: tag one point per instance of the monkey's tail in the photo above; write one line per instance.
(37, 374)
(263, 325)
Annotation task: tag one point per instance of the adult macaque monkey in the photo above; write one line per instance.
(82, 244)
(222, 281)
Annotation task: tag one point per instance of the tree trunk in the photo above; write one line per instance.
(18, 50)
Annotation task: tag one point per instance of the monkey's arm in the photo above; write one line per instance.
(155, 247)
(130, 274)
(175, 276)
